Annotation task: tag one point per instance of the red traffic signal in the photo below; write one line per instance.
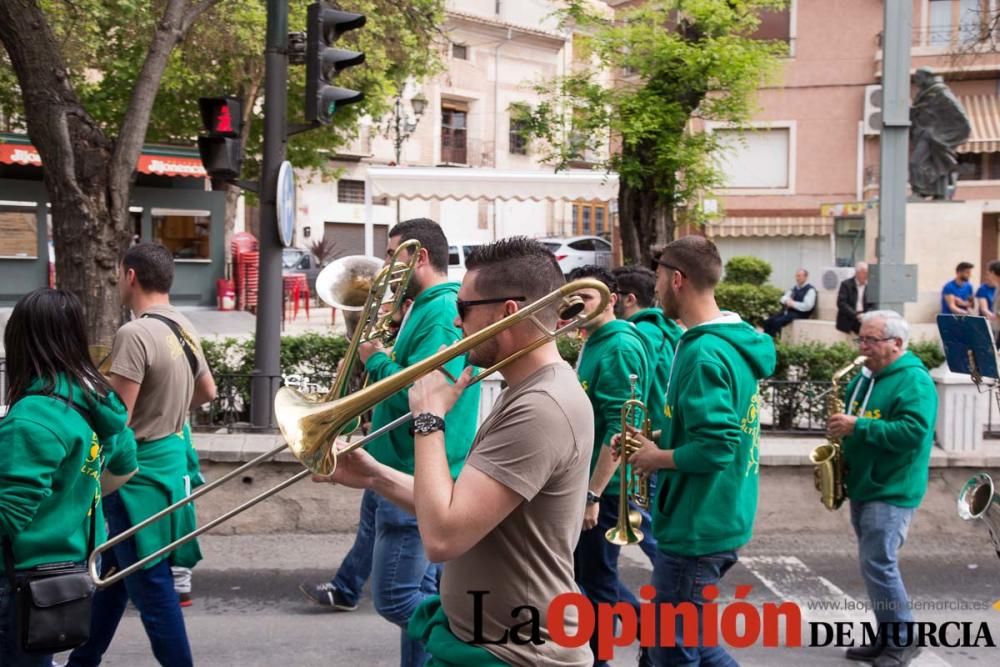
(221, 116)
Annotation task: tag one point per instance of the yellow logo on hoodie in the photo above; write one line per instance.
(750, 424)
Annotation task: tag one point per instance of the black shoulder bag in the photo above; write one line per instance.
(53, 601)
(181, 338)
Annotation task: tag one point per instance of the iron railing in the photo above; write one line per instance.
(230, 410)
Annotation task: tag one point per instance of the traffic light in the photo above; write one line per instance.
(324, 25)
(220, 151)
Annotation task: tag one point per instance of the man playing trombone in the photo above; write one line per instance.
(388, 543)
(507, 526)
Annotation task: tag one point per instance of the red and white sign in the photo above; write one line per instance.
(158, 165)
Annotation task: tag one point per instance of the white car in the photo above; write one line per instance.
(456, 261)
(575, 251)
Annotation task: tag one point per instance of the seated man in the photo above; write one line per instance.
(799, 303)
(852, 301)
(956, 295)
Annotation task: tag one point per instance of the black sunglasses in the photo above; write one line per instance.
(465, 305)
(665, 265)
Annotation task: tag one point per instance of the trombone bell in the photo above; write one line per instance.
(346, 282)
(980, 500)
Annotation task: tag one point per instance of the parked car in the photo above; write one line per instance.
(297, 260)
(456, 261)
(575, 251)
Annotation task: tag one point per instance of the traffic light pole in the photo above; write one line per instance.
(267, 351)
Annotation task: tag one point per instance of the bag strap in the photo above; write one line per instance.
(181, 338)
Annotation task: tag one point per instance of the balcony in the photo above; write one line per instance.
(972, 49)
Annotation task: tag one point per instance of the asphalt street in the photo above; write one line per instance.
(248, 610)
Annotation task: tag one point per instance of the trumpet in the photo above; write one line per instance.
(310, 428)
(979, 500)
(632, 485)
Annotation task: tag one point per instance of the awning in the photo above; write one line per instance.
(984, 116)
(440, 183)
(770, 226)
(150, 162)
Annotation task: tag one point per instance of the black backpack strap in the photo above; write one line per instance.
(181, 338)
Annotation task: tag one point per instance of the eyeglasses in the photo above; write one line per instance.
(665, 265)
(870, 340)
(465, 305)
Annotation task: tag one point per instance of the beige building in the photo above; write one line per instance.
(460, 126)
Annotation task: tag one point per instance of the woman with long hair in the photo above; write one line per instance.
(63, 444)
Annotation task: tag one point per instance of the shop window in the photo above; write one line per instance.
(19, 230)
(185, 233)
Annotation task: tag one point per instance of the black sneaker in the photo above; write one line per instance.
(645, 660)
(865, 653)
(326, 595)
(897, 657)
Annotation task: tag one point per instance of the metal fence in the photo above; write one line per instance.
(231, 408)
(794, 407)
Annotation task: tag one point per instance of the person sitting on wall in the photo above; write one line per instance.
(799, 303)
(956, 296)
(851, 301)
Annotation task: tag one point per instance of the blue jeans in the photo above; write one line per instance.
(357, 564)
(150, 590)
(10, 645)
(881, 529)
(680, 579)
(401, 574)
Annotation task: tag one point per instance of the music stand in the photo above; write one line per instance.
(969, 347)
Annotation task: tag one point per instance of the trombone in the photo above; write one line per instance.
(310, 428)
(979, 499)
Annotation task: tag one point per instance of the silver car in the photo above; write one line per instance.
(575, 251)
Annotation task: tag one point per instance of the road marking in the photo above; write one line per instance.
(789, 579)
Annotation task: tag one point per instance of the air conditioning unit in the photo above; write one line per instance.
(834, 275)
(873, 110)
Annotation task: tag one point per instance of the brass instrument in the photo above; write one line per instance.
(828, 458)
(310, 428)
(978, 497)
(631, 486)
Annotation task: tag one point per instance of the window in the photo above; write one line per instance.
(775, 24)
(517, 138)
(971, 17)
(454, 130)
(553, 246)
(453, 259)
(849, 239)
(350, 192)
(19, 230)
(582, 244)
(591, 218)
(602, 246)
(757, 159)
(459, 51)
(978, 166)
(184, 233)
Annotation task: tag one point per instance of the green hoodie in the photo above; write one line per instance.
(707, 504)
(610, 355)
(429, 324)
(660, 336)
(51, 462)
(889, 452)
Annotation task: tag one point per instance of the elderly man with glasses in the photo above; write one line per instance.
(887, 431)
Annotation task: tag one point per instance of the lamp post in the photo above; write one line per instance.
(402, 127)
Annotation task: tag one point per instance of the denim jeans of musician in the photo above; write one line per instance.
(150, 590)
(881, 529)
(680, 579)
(357, 564)
(10, 645)
(401, 574)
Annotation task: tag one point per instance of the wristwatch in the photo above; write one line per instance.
(425, 423)
(592, 497)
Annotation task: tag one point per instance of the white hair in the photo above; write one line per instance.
(895, 325)
(861, 265)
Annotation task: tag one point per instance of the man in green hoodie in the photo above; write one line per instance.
(708, 454)
(887, 431)
(614, 352)
(388, 545)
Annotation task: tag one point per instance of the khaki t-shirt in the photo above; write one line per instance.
(537, 442)
(146, 351)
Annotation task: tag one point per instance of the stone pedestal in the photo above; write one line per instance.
(962, 410)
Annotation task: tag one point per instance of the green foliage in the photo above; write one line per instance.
(748, 270)
(569, 348)
(669, 61)
(929, 352)
(754, 303)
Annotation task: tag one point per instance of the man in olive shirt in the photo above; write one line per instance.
(508, 525)
(159, 372)
(388, 542)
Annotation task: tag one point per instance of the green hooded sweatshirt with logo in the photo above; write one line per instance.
(429, 324)
(708, 503)
(51, 461)
(888, 454)
(610, 355)
(661, 336)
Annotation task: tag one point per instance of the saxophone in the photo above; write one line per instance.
(828, 457)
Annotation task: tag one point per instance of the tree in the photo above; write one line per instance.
(647, 74)
(89, 121)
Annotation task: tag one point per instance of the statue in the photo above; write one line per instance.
(938, 124)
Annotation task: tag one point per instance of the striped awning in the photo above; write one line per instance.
(770, 226)
(984, 116)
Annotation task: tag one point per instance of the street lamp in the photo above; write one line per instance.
(401, 125)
